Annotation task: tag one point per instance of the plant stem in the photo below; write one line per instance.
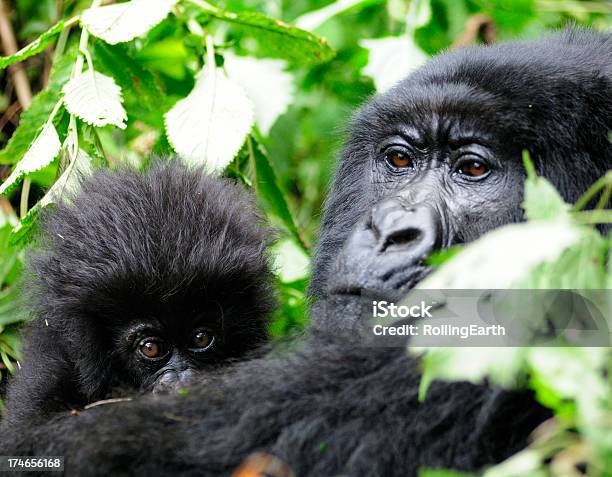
(592, 191)
(591, 217)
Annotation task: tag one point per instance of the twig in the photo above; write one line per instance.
(9, 113)
(107, 401)
(22, 86)
(9, 45)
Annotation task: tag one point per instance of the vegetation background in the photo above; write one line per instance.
(286, 76)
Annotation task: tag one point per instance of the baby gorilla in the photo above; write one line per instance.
(137, 282)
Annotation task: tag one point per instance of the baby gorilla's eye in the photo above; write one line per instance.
(201, 340)
(152, 348)
(473, 169)
(398, 159)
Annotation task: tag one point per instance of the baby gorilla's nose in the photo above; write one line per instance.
(172, 379)
(415, 229)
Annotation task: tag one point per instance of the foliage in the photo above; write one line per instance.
(271, 84)
(574, 382)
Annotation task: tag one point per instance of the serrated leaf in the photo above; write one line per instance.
(266, 83)
(538, 242)
(392, 59)
(210, 125)
(42, 152)
(33, 48)
(30, 123)
(32, 119)
(278, 38)
(96, 99)
(67, 184)
(125, 21)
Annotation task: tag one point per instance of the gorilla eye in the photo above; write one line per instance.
(473, 169)
(201, 340)
(152, 348)
(398, 159)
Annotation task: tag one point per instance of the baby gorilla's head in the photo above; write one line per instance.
(144, 278)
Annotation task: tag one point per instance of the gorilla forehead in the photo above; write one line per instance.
(535, 90)
(428, 113)
(171, 230)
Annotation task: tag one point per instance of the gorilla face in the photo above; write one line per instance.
(437, 160)
(158, 352)
(433, 184)
(136, 284)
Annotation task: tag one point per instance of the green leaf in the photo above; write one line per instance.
(259, 76)
(30, 123)
(525, 463)
(66, 185)
(501, 365)
(35, 47)
(314, 19)
(538, 242)
(268, 189)
(440, 257)
(278, 38)
(33, 118)
(541, 201)
(8, 255)
(391, 59)
(40, 154)
(24, 231)
(141, 91)
(125, 21)
(10, 340)
(10, 311)
(581, 266)
(210, 125)
(290, 261)
(96, 99)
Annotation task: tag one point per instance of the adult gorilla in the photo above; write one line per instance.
(435, 161)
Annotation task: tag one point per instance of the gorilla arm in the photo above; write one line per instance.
(333, 407)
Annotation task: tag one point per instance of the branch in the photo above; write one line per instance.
(22, 86)
(9, 45)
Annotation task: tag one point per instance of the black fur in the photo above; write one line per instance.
(333, 407)
(551, 97)
(159, 254)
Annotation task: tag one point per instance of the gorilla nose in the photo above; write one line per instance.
(401, 228)
(172, 379)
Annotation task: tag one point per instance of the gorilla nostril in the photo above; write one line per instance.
(402, 238)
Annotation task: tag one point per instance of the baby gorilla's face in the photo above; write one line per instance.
(156, 358)
(159, 345)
